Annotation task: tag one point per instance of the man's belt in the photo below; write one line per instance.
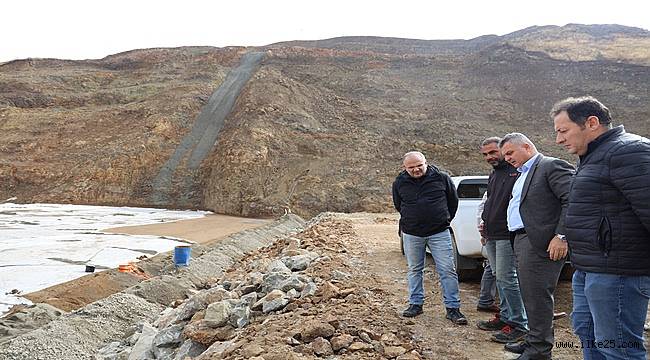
(518, 231)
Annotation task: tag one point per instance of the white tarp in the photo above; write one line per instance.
(46, 244)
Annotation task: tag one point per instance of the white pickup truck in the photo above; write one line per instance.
(464, 233)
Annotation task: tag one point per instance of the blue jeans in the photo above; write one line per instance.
(502, 258)
(488, 287)
(608, 314)
(440, 246)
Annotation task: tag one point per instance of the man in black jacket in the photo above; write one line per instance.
(427, 202)
(511, 323)
(607, 228)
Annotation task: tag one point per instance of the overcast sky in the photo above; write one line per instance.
(68, 29)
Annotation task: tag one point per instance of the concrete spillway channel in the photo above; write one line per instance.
(198, 143)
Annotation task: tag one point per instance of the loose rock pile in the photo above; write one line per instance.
(213, 314)
(298, 298)
(27, 317)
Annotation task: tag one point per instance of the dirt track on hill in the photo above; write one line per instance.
(198, 143)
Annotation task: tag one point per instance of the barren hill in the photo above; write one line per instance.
(320, 126)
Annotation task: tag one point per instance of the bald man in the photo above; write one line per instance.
(427, 202)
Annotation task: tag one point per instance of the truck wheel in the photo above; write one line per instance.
(466, 268)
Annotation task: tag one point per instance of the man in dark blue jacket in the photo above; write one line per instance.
(427, 201)
(607, 228)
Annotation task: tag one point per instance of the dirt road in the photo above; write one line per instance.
(202, 230)
(389, 268)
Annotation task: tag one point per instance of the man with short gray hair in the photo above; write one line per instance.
(536, 213)
(427, 201)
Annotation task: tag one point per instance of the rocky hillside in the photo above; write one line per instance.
(576, 42)
(320, 126)
(97, 131)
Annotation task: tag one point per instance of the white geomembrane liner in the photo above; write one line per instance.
(47, 244)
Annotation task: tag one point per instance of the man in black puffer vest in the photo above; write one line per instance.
(607, 228)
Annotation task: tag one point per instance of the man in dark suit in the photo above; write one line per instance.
(536, 215)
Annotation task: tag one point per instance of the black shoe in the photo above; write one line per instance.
(412, 311)
(508, 335)
(494, 308)
(456, 316)
(494, 324)
(517, 348)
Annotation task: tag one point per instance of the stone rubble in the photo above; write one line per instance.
(25, 317)
(290, 278)
(213, 314)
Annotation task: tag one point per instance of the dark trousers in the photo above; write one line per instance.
(538, 276)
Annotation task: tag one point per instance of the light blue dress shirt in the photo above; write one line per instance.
(514, 217)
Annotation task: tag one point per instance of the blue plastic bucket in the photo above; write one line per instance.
(182, 255)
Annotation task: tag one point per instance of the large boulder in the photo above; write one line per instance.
(217, 314)
(315, 328)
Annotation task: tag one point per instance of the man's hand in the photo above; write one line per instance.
(481, 231)
(557, 249)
